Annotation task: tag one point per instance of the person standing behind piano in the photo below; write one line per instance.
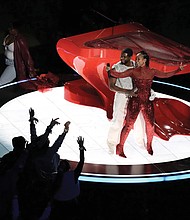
(18, 60)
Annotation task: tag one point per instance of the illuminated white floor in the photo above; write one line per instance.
(89, 122)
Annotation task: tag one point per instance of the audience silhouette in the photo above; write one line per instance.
(64, 204)
(9, 159)
(38, 178)
(11, 165)
(36, 181)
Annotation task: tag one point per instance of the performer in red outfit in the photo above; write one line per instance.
(142, 78)
(18, 60)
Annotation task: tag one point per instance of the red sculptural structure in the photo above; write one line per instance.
(88, 54)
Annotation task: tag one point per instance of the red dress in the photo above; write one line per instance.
(142, 78)
(135, 105)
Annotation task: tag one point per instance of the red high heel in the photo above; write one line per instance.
(119, 151)
(150, 151)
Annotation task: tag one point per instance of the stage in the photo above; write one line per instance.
(141, 185)
(170, 161)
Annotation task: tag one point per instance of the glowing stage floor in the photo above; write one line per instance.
(169, 162)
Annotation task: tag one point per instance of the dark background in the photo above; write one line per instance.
(51, 19)
(44, 22)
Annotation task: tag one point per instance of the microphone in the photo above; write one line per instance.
(108, 69)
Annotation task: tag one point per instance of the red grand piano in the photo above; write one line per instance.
(88, 54)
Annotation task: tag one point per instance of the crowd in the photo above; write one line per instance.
(35, 177)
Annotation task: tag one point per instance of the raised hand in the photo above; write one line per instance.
(54, 122)
(32, 118)
(80, 141)
(181, 66)
(31, 112)
(67, 125)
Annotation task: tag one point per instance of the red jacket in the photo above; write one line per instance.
(24, 64)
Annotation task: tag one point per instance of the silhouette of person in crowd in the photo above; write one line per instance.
(18, 60)
(9, 159)
(36, 180)
(67, 188)
(142, 77)
(11, 164)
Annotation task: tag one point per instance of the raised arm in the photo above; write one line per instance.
(80, 164)
(57, 144)
(160, 74)
(114, 73)
(32, 121)
(43, 138)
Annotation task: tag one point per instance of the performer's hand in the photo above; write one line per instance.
(108, 67)
(135, 90)
(181, 67)
(132, 93)
(32, 74)
(152, 95)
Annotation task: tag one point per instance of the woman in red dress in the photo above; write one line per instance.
(142, 77)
